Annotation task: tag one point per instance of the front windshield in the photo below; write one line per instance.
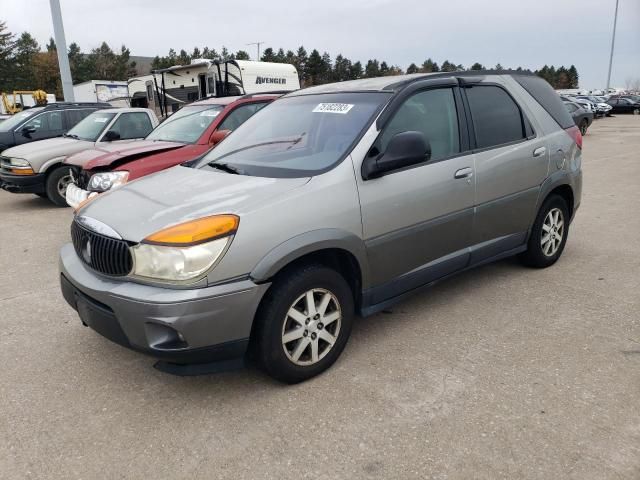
(297, 136)
(187, 124)
(17, 119)
(91, 127)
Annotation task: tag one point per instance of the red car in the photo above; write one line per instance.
(184, 136)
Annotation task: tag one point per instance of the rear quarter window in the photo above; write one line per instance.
(548, 99)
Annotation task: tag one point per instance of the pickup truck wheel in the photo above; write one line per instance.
(303, 323)
(549, 234)
(56, 185)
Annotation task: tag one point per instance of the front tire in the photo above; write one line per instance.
(56, 185)
(549, 234)
(304, 323)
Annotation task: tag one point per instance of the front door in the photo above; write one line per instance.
(417, 222)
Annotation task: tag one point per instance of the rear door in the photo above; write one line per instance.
(417, 222)
(511, 161)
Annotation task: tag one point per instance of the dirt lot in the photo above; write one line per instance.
(503, 372)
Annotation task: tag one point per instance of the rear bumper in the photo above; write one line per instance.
(23, 183)
(183, 326)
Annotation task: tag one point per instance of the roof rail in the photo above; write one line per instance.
(272, 92)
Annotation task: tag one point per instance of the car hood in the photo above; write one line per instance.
(180, 194)
(109, 153)
(43, 150)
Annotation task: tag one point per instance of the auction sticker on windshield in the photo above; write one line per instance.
(342, 108)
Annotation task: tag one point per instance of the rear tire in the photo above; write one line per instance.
(584, 125)
(56, 185)
(548, 235)
(304, 323)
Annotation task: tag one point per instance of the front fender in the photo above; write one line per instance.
(310, 242)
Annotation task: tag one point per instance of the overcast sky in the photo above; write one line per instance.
(510, 32)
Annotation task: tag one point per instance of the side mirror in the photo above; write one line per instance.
(218, 136)
(111, 136)
(404, 149)
(27, 131)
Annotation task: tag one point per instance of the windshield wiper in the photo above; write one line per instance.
(70, 135)
(294, 141)
(225, 167)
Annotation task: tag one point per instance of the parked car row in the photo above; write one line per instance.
(585, 108)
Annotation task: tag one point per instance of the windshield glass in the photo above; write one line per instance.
(91, 127)
(298, 136)
(187, 124)
(17, 119)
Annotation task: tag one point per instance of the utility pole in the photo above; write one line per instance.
(257, 44)
(61, 48)
(613, 41)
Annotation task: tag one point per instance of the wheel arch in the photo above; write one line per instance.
(338, 249)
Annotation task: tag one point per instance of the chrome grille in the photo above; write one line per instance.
(104, 254)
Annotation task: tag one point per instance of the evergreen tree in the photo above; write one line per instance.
(448, 67)
(315, 68)
(384, 68)
(280, 56)
(355, 71)
(196, 53)
(242, 55)
(183, 58)
(372, 69)
(268, 55)
(573, 77)
(413, 68)
(477, 66)
(429, 66)
(498, 67)
(301, 65)
(25, 50)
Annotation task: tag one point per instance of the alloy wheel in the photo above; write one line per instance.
(311, 327)
(552, 232)
(63, 183)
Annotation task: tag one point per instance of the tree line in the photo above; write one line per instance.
(25, 65)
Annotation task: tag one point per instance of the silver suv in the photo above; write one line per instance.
(332, 201)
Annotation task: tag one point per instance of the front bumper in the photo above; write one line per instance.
(184, 326)
(23, 183)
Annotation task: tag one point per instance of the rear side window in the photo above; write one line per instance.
(74, 116)
(496, 117)
(239, 116)
(548, 99)
(132, 125)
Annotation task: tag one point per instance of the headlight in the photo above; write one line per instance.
(18, 162)
(101, 182)
(185, 251)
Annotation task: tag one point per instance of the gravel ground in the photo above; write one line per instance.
(502, 372)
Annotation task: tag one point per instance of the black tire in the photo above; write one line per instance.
(272, 319)
(42, 195)
(584, 125)
(535, 255)
(53, 183)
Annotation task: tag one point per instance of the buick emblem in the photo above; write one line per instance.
(86, 252)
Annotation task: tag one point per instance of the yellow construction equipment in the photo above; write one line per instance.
(39, 98)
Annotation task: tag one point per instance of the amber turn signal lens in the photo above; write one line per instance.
(196, 231)
(22, 171)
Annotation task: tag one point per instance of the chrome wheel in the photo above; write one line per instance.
(311, 327)
(63, 183)
(552, 232)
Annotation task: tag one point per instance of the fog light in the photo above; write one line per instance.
(164, 337)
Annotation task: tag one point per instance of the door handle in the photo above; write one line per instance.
(466, 172)
(538, 152)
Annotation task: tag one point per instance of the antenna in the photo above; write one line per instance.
(257, 44)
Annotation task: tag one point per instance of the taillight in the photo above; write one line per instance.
(574, 133)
